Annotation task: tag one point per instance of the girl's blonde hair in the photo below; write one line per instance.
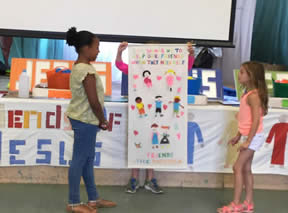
(256, 73)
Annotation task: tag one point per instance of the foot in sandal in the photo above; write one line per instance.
(231, 208)
(248, 207)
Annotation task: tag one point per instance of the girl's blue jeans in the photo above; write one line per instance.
(82, 163)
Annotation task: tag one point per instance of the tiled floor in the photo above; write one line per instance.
(53, 198)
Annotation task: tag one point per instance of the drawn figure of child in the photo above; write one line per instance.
(147, 80)
(158, 103)
(140, 107)
(155, 140)
(170, 75)
(176, 105)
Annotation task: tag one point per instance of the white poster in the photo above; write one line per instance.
(157, 106)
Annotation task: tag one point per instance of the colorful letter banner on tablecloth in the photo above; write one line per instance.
(157, 106)
(36, 132)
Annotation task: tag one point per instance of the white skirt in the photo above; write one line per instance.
(256, 142)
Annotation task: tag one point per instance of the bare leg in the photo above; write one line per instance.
(149, 174)
(248, 179)
(135, 174)
(238, 168)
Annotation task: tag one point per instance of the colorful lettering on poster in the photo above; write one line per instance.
(164, 56)
(154, 155)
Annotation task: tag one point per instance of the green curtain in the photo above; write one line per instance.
(2, 57)
(36, 48)
(270, 32)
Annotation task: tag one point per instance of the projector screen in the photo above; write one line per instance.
(118, 20)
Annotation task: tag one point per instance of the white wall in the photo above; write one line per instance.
(234, 57)
(191, 19)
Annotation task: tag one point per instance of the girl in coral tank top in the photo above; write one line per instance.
(253, 106)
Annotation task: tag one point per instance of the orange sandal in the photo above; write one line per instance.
(231, 208)
(247, 207)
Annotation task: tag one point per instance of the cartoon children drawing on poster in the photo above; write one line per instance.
(170, 75)
(164, 140)
(140, 107)
(176, 106)
(155, 139)
(152, 84)
(147, 80)
(158, 105)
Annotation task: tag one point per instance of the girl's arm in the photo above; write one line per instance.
(254, 102)
(122, 67)
(236, 139)
(90, 88)
(190, 56)
(119, 62)
(238, 134)
(190, 61)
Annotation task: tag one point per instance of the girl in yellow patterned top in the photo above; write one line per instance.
(85, 112)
